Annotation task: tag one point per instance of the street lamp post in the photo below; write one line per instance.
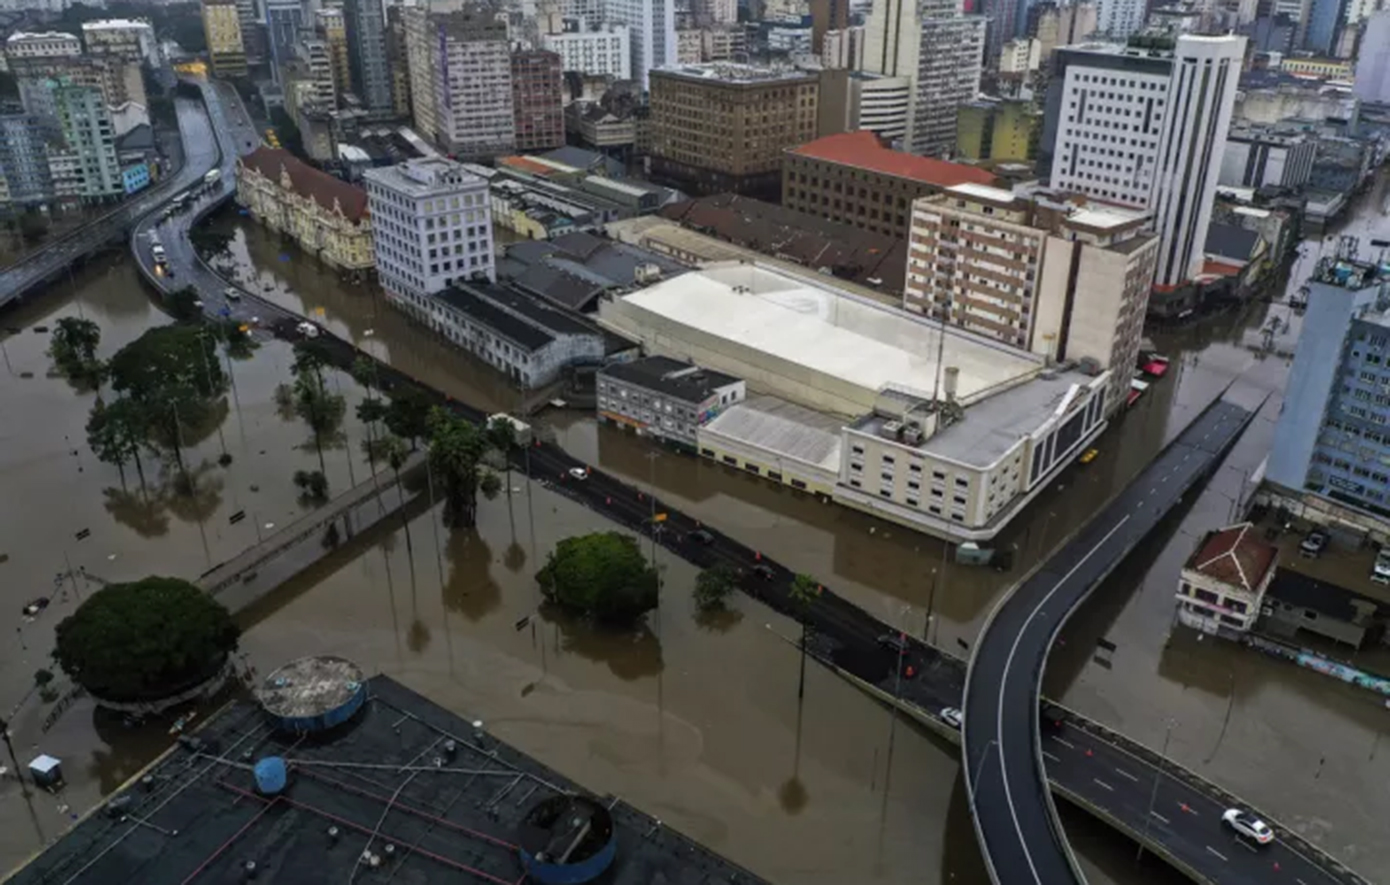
(1153, 796)
(980, 770)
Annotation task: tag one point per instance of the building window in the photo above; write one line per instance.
(798, 484)
(708, 453)
(752, 468)
(730, 459)
(773, 474)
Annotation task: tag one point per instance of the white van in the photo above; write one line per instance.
(1380, 572)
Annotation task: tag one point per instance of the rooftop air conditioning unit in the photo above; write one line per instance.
(646, 273)
(891, 429)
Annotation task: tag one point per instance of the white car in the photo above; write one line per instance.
(951, 716)
(308, 330)
(579, 472)
(1246, 824)
(232, 293)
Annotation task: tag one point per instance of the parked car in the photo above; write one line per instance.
(232, 293)
(308, 330)
(1246, 824)
(764, 571)
(951, 716)
(1314, 543)
(700, 536)
(579, 472)
(895, 642)
(1380, 572)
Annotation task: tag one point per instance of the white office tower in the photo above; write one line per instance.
(431, 226)
(607, 50)
(1120, 18)
(1373, 62)
(651, 34)
(1145, 126)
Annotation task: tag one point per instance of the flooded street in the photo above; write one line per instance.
(696, 722)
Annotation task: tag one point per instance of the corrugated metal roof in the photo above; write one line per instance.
(783, 429)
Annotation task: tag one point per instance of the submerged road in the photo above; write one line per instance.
(1012, 807)
(1105, 773)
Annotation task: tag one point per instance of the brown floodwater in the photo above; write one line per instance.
(694, 721)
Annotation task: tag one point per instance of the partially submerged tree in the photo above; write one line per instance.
(145, 640)
(409, 415)
(115, 432)
(321, 409)
(602, 575)
(457, 448)
(713, 586)
(74, 348)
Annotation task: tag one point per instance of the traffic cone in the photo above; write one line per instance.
(757, 557)
(1276, 866)
(1089, 753)
(608, 500)
(910, 672)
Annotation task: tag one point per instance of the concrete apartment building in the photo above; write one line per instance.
(850, 101)
(1061, 24)
(49, 44)
(131, 40)
(284, 21)
(652, 33)
(398, 61)
(24, 160)
(331, 28)
(431, 225)
(724, 127)
(1144, 126)
(461, 80)
(603, 50)
(1259, 156)
(325, 215)
(1058, 279)
(853, 178)
(1001, 129)
(222, 30)
(537, 100)
(1331, 442)
(1372, 81)
(940, 51)
(366, 38)
(664, 398)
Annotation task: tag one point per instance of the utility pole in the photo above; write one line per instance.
(1153, 796)
(5, 734)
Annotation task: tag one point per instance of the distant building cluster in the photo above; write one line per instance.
(80, 132)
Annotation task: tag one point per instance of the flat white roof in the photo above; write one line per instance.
(983, 191)
(828, 330)
(1103, 217)
(115, 23)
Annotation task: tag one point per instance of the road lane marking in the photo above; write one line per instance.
(1103, 784)
(1039, 608)
(1050, 756)
(1247, 846)
(1159, 817)
(1069, 745)
(1217, 853)
(1122, 773)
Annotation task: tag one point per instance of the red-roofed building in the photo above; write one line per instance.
(327, 216)
(854, 178)
(1223, 583)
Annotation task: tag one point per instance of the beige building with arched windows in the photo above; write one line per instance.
(327, 216)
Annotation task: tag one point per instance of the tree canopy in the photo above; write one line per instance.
(602, 575)
(74, 348)
(457, 447)
(714, 585)
(408, 416)
(144, 640)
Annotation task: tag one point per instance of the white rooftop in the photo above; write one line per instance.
(983, 191)
(791, 320)
(115, 23)
(1103, 216)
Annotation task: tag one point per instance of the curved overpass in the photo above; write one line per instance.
(1020, 837)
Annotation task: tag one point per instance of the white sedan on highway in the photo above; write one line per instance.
(1246, 824)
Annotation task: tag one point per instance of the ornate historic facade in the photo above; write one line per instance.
(326, 216)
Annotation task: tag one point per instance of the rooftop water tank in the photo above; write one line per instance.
(270, 775)
(313, 694)
(567, 840)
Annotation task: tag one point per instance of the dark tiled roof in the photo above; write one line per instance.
(681, 380)
(1234, 556)
(1231, 241)
(1298, 589)
(309, 182)
(499, 321)
(849, 252)
(580, 244)
(554, 320)
(562, 288)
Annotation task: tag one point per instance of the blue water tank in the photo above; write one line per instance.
(270, 775)
(567, 840)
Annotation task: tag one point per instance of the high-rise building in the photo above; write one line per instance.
(432, 226)
(538, 100)
(89, 135)
(1322, 26)
(652, 39)
(724, 127)
(940, 50)
(1373, 62)
(1145, 127)
(317, 65)
(715, 12)
(1331, 439)
(1268, 156)
(1000, 129)
(284, 20)
(132, 40)
(1119, 19)
(850, 101)
(603, 50)
(222, 30)
(827, 15)
(366, 36)
(1062, 279)
(472, 83)
(422, 54)
(1061, 24)
(843, 49)
(24, 159)
(332, 30)
(1000, 29)
(253, 32)
(398, 61)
